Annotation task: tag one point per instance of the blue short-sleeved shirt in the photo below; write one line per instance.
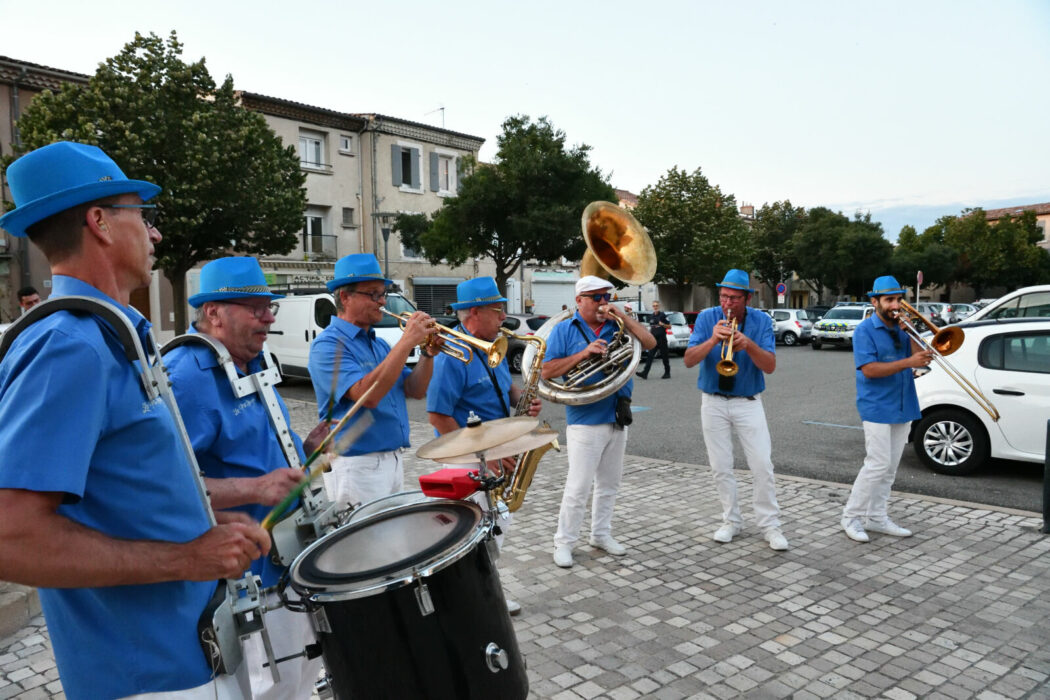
(889, 399)
(750, 380)
(75, 419)
(361, 353)
(457, 388)
(566, 340)
(231, 437)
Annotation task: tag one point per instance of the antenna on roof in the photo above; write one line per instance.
(439, 109)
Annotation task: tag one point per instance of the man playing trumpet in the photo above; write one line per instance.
(596, 441)
(884, 356)
(732, 400)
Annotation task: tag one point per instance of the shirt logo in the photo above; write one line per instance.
(243, 406)
(148, 406)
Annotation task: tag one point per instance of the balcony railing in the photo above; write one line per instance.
(320, 247)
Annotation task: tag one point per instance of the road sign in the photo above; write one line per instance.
(782, 288)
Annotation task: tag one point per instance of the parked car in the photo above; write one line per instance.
(963, 311)
(677, 335)
(520, 324)
(838, 325)
(690, 318)
(301, 317)
(940, 313)
(791, 326)
(1008, 360)
(1027, 302)
(817, 312)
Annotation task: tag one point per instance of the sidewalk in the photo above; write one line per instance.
(960, 610)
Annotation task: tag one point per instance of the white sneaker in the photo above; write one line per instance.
(609, 545)
(563, 556)
(726, 533)
(854, 530)
(886, 526)
(513, 607)
(776, 539)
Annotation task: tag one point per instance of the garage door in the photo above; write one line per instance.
(434, 294)
(548, 296)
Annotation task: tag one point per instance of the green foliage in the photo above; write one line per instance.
(525, 206)
(229, 183)
(774, 231)
(833, 251)
(695, 228)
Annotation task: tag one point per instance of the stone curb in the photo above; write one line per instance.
(18, 604)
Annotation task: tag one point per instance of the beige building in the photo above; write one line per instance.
(1042, 217)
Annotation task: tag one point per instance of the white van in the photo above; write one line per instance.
(301, 317)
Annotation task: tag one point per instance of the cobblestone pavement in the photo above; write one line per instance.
(960, 610)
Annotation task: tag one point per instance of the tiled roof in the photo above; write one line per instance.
(996, 214)
(35, 76)
(627, 198)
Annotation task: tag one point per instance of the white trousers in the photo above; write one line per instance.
(364, 478)
(595, 460)
(222, 688)
(883, 446)
(719, 416)
(289, 632)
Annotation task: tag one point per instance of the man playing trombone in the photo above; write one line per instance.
(884, 356)
(732, 382)
(346, 359)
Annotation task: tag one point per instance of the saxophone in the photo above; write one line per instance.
(512, 494)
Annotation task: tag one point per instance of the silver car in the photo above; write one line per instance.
(677, 334)
(791, 326)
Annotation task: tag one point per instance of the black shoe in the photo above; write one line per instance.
(666, 376)
(643, 375)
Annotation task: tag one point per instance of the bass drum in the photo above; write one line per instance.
(408, 604)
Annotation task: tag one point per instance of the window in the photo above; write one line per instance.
(443, 178)
(511, 323)
(1034, 304)
(407, 252)
(405, 167)
(1017, 353)
(347, 144)
(311, 149)
(348, 217)
(316, 244)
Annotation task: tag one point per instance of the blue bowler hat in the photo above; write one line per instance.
(737, 279)
(358, 267)
(477, 292)
(232, 278)
(61, 176)
(885, 285)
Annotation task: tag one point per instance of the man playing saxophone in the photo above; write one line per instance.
(596, 434)
(884, 357)
(457, 389)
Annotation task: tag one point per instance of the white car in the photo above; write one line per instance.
(1026, 302)
(838, 325)
(1008, 361)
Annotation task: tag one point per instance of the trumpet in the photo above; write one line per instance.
(945, 341)
(726, 367)
(460, 346)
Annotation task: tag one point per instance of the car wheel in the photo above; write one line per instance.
(790, 339)
(951, 442)
(815, 344)
(514, 360)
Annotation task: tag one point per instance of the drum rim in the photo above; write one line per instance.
(364, 518)
(371, 587)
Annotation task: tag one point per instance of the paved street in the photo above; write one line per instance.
(960, 610)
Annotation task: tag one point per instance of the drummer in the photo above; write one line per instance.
(347, 359)
(458, 388)
(238, 450)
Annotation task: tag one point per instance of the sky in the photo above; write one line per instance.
(909, 110)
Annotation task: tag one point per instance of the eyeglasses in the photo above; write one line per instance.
(731, 299)
(374, 296)
(606, 296)
(258, 311)
(149, 211)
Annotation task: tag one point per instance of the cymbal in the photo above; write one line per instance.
(529, 441)
(478, 438)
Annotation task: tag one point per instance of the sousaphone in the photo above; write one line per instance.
(617, 246)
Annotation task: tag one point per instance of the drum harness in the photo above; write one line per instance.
(229, 615)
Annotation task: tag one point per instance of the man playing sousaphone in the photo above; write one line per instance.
(458, 389)
(596, 434)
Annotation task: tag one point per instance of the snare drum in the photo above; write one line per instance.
(408, 604)
(403, 498)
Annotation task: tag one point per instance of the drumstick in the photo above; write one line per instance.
(339, 426)
(349, 439)
(335, 382)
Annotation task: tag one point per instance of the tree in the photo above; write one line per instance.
(695, 228)
(833, 251)
(229, 183)
(774, 231)
(524, 206)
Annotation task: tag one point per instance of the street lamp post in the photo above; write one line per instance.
(386, 251)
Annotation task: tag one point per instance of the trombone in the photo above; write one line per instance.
(460, 346)
(945, 341)
(726, 367)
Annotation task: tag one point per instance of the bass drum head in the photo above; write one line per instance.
(404, 498)
(387, 550)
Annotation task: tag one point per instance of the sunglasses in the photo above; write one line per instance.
(605, 296)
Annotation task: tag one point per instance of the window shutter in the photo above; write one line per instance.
(434, 185)
(395, 163)
(416, 182)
